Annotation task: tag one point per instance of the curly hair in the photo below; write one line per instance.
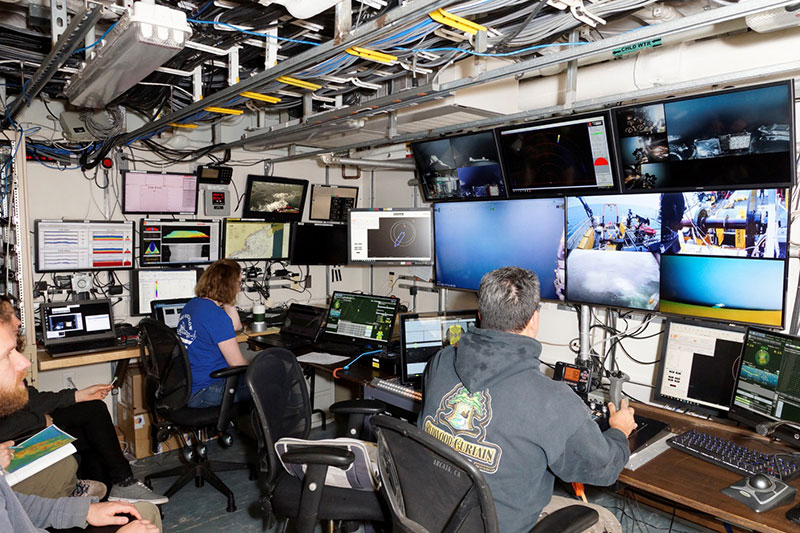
(220, 282)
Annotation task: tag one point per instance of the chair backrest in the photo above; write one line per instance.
(168, 376)
(429, 486)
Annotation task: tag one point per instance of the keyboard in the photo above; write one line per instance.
(105, 345)
(735, 457)
(397, 388)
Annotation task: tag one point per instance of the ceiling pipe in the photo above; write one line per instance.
(330, 159)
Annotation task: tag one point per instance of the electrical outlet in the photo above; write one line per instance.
(68, 380)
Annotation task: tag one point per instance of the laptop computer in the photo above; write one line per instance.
(168, 311)
(301, 327)
(357, 323)
(70, 328)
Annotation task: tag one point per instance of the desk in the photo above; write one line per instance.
(696, 484)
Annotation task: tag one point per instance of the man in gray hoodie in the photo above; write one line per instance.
(488, 399)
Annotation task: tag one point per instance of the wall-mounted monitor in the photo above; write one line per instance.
(151, 193)
(732, 139)
(566, 156)
(274, 199)
(331, 202)
(473, 238)
(464, 167)
(160, 284)
(391, 236)
(318, 244)
(179, 242)
(73, 245)
(256, 240)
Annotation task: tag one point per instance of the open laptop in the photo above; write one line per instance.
(300, 328)
(168, 311)
(70, 328)
(358, 323)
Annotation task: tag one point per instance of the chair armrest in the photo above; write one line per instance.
(232, 374)
(570, 519)
(320, 455)
(228, 371)
(358, 407)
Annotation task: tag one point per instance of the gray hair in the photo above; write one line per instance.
(508, 298)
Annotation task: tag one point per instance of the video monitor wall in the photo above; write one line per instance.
(274, 199)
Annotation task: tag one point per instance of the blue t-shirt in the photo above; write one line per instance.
(202, 326)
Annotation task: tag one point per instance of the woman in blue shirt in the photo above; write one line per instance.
(207, 327)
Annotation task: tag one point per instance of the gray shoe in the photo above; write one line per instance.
(89, 488)
(134, 490)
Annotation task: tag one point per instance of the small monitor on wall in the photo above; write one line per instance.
(75, 245)
(318, 244)
(179, 242)
(391, 236)
(161, 284)
(275, 199)
(331, 202)
(256, 240)
(148, 193)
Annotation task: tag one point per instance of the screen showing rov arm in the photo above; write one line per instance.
(164, 285)
(364, 317)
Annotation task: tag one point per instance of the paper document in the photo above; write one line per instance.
(322, 358)
(45, 448)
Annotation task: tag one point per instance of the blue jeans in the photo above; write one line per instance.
(211, 396)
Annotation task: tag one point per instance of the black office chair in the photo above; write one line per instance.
(168, 386)
(283, 409)
(431, 487)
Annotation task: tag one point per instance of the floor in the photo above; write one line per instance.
(199, 510)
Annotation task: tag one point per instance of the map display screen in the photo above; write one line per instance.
(256, 240)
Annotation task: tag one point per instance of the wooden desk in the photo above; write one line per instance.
(696, 484)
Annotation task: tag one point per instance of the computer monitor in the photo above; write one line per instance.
(163, 284)
(767, 391)
(424, 334)
(71, 322)
(274, 199)
(361, 318)
(318, 244)
(566, 156)
(73, 245)
(168, 311)
(331, 202)
(742, 138)
(150, 193)
(464, 167)
(256, 240)
(699, 365)
(179, 242)
(473, 238)
(391, 236)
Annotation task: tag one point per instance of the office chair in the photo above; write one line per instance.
(168, 385)
(431, 487)
(283, 409)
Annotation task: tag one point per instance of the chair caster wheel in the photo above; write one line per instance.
(225, 440)
(188, 454)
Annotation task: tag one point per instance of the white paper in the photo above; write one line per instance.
(321, 358)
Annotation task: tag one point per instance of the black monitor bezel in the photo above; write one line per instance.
(147, 221)
(223, 250)
(295, 234)
(316, 186)
(124, 193)
(37, 259)
(134, 290)
(350, 259)
(247, 212)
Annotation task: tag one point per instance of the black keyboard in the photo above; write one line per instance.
(735, 457)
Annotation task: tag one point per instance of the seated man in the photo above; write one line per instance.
(513, 422)
(84, 415)
(23, 513)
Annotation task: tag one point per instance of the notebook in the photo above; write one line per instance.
(300, 327)
(168, 311)
(357, 323)
(70, 328)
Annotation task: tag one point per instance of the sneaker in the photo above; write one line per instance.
(89, 488)
(133, 490)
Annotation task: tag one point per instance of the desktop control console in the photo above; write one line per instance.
(761, 492)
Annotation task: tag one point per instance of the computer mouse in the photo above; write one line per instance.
(760, 482)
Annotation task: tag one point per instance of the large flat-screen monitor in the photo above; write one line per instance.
(160, 284)
(768, 389)
(331, 202)
(464, 167)
(472, 238)
(391, 236)
(256, 240)
(699, 365)
(318, 244)
(151, 193)
(179, 242)
(74, 245)
(274, 199)
(693, 254)
(732, 139)
(567, 156)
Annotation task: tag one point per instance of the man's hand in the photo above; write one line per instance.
(6, 453)
(622, 419)
(104, 514)
(95, 392)
(139, 526)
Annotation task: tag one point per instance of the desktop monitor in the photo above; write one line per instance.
(699, 365)
(473, 238)
(160, 284)
(152, 193)
(742, 138)
(179, 242)
(331, 202)
(274, 199)
(318, 244)
(256, 240)
(767, 391)
(168, 311)
(72, 245)
(422, 335)
(566, 156)
(361, 318)
(391, 236)
(464, 167)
